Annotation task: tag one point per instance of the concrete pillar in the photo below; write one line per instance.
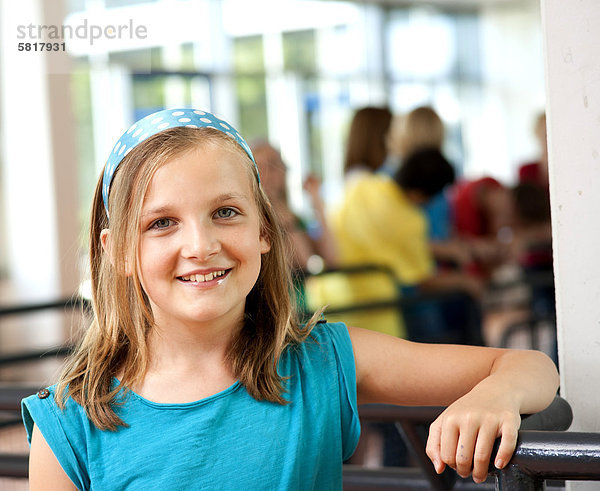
(63, 158)
(571, 33)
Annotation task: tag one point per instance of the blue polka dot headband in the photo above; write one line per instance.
(157, 122)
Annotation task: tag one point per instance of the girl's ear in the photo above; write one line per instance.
(105, 240)
(265, 244)
(106, 245)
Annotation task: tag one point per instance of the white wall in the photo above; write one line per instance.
(572, 31)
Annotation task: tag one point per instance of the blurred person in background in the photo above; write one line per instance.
(313, 247)
(423, 129)
(307, 240)
(381, 222)
(533, 233)
(483, 218)
(366, 145)
(365, 152)
(537, 171)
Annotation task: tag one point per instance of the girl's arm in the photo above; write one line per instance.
(45, 473)
(486, 390)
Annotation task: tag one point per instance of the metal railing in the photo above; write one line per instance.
(410, 422)
(401, 299)
(543, 455)
(70, 303)
(64, 303)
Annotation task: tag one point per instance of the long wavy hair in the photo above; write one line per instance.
(116, 341)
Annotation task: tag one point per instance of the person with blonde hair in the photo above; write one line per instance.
(195, 373)
(420, 129)
(423, 129)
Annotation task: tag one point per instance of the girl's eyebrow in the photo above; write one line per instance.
(157, 211)
(222, 198)
(230, 197)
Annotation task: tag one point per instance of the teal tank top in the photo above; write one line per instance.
(226, 441)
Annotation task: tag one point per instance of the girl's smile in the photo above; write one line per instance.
(201, 243)
(210, 277)
(205, 279)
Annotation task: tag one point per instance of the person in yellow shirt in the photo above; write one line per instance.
(380, 222)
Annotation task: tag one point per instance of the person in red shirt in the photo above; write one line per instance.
(537, 172)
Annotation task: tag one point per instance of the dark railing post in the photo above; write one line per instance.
(542, 455)
(438, 482)
(512, 479)
(14, 465)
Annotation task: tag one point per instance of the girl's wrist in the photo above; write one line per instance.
(502, 392)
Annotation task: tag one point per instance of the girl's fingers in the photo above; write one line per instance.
(448, 443)
(468, 447)
(433, 447)
(483, 451)
(508, 442)
(464, 450)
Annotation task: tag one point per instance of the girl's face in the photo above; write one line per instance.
(201, 243)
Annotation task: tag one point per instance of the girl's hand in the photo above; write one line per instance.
(463, 436)
(490, 387)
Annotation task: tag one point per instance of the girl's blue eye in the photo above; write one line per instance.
(225, 213)
(161, 223)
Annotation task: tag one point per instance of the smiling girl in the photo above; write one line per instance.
(195, 372)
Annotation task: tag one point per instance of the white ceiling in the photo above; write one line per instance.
(445, 3)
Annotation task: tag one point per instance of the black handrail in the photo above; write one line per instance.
(531, 326)
(32, 355)
(399, 302)
(529, 278)
(10, 396)
(558, 416)
(72, 302)
(539, 456)
(67, 303)
(14, 465)
(542, 455)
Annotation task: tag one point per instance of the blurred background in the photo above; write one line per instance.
(75, 74)
(292, 72)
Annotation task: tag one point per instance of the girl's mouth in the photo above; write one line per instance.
(203, 278)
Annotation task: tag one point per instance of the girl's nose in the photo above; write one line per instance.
(200, 242)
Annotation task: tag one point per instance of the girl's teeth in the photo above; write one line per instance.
(200, 278)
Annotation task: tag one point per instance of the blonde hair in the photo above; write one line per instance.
(420, 129)
(116, 340)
